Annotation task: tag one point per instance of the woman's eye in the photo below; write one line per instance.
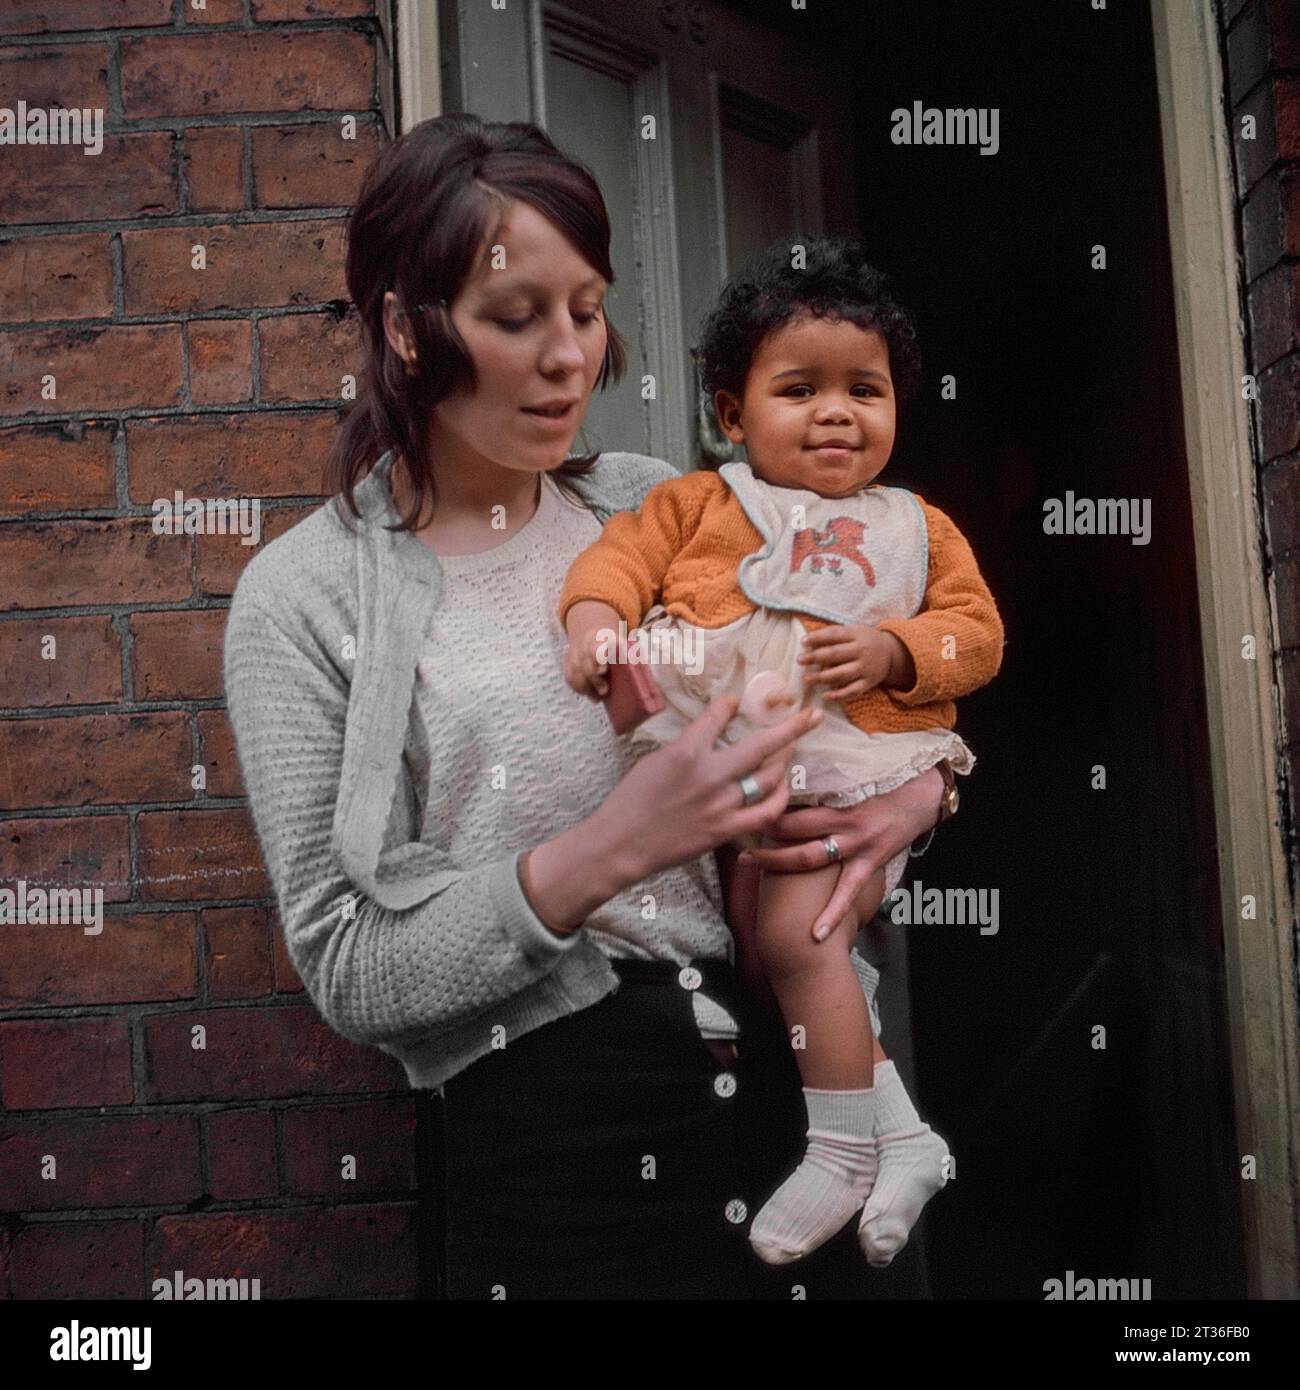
(514, 325)
(591, 317)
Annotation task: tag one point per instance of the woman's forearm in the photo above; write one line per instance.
(567, 878)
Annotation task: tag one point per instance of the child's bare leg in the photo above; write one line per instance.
(820, 996)
(814, 981)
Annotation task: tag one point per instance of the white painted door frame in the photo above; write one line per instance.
(1236, 605)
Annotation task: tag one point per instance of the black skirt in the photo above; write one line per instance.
(610, 1155)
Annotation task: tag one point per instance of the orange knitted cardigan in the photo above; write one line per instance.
(683, 549)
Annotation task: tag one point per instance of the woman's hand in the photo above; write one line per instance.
(869, 835)
(684, 799)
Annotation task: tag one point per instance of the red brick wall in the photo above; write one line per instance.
(1262, 59)
(223, 129)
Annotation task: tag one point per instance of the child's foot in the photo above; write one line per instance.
(910, 1158)
(828, 1186)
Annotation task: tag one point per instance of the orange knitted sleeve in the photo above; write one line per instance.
(626, 565)
(956, 639)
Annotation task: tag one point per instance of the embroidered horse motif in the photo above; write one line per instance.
(841, 540)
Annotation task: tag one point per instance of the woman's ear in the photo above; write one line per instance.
(393, 330)
(727, 407)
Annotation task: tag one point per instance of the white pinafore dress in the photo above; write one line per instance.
(856, 559)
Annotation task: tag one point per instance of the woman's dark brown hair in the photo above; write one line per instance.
(426, 204)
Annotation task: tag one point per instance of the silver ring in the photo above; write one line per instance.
(750, 789)
(832, 850)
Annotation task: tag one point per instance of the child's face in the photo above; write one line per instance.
(818, 408)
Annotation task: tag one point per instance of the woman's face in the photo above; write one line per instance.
(531, 314)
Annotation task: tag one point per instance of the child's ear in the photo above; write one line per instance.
(727, 407)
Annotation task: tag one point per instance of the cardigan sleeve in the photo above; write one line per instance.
(956, 640)
(375, 974)
(626, 565)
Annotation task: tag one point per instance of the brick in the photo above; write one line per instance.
(189, 855)
(214, 168)
(67, 852)
(56, 277)
(218, 755)
(238, 955)
(74, 562)
(260, 264)
(49, 467)
(135, 175)
(139, 958)
(176, 655)
(109, 368)
(127, 1161)
(1271, 221)
(287, 979)
(221, 559)
(1281, 483)
(47, 16)
(79, 1259)
(1287, 106)
(1274, 302)
(1266, 40)
(72, 75)
(378, 1135)
(363, 1251)
(1289, 666)
(221, 361)
(217, 12)
(231, 456)
(85, 668)
(258, 1054)
(241, 1155)
(311, 165)
(94, 759)
(1279, 409)
(1286, 579)
(304, 356)
(215, 74)
(1259, 154)
(57, 1063)
(268, 11)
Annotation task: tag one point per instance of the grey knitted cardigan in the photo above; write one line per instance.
(396, 946)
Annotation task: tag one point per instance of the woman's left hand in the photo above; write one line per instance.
(869, 835)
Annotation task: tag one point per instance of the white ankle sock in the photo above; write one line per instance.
(909, 1170)
(828, 1186)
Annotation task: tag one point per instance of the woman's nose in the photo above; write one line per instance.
(562, 351)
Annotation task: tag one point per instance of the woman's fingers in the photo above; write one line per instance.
(744, 756)
(852, 876)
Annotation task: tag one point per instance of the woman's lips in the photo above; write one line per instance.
(553, 419)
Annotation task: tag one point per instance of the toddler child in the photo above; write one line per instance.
(794, 576)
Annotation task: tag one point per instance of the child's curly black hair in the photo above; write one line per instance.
(835, 281)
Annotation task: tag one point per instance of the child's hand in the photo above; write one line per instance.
(855, 658)
(588, 624)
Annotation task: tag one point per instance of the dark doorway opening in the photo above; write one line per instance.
(1113, 1156)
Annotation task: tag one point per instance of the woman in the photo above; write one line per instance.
(472, 873)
